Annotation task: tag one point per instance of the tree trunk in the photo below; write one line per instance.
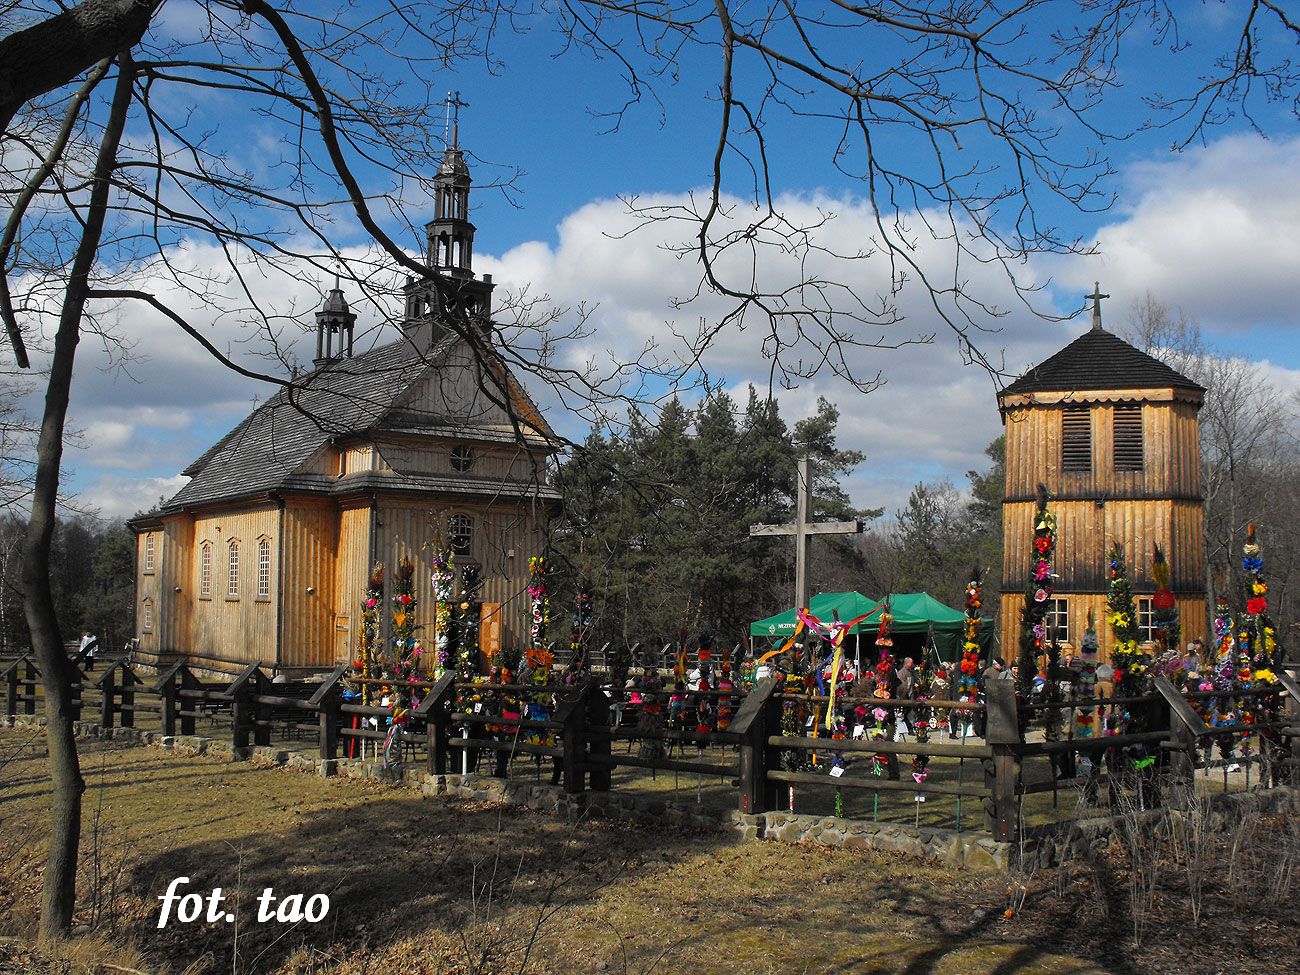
(53, 52)
(59, 893)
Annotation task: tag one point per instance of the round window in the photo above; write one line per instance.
(462, 458)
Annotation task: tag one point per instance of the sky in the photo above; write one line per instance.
(1211, 229)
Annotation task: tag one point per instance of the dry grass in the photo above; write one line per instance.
(421, 885)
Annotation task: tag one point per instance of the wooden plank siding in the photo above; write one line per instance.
(242, 628)
(309, 548)
(351, 575)
(1160, 504)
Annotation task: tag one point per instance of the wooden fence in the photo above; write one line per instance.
(752, 755)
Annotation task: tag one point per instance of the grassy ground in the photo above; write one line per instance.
(428, 885)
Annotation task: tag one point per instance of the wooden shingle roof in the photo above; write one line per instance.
(267, 451)
(1098, 359)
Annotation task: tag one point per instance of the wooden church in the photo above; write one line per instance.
(1113, 434)
(264, 555)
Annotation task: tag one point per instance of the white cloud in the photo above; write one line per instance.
(1214, 230)
(117, 496)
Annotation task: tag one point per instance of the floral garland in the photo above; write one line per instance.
(444, 579)
(1224, 680)
(540, 595)
(1261, 634)
(1033, 619)
(467, 618)
(407, 652)
(650, 725)
(1128, 661)
(366, 664)
(967, 683)
(1164, 608)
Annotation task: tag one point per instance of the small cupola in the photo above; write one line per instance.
(334, 324)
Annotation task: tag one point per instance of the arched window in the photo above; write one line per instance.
(146, 616)
(232, 571)
(460, 533)
(205, 570)
(263, 568)
(148, 552)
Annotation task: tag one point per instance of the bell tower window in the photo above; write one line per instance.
(1076, 440)
(1128, 438)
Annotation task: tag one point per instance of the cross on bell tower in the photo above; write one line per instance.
(1096, 297)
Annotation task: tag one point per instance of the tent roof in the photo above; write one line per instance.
(848, 604)
(914, 612)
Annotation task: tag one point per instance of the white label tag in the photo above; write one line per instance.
(918, 798)
(859, 731)
(478, 708)
(809, 723)
(837, 771)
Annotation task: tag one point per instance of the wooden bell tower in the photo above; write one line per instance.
(1113, 433)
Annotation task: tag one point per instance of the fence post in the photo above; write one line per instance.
(326, 701)
(752, 723)
(243, 710)
(166, 689)
(29, 679)
(126, 697)
(666, 657)
(107, 687)
(11, 689)
(1184, 724)
(186, 681)
(1292, 689)
(599, 739)
(78, 689)
(1002, 772)
(436, 714)
(572, 714)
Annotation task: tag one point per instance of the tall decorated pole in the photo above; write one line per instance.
(1259, 632)
(1164, 608)
(370, 641)
(406, 650)
(1034, 636)
(1087, 683)
(968, 676)
(538, 660)
(444, 582)
(580, 633)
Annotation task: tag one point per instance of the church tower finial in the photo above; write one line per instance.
(1096, 297)
(335, 318)
(452, 290)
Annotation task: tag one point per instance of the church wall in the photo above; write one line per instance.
(243, 628)
(149, 585)
(178, 573)
(1170, 444)
(309, 546)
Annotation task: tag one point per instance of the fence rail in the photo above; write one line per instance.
(754, 754)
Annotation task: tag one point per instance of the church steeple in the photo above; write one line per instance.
(334, 319)
(453, 289)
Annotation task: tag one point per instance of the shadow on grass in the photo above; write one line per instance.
(393, 868)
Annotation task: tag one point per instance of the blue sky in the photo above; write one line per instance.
(1213, 229)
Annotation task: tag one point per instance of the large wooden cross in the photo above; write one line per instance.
(803, 530)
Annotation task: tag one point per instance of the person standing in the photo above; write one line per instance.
(89, 647)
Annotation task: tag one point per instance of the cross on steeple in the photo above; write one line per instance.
(451, 128)
(1096, 297)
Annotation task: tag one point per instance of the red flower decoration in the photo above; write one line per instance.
(1163, 599)
(1256, 605)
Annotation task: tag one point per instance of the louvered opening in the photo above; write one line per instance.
(1128, 437)
(1076, 440)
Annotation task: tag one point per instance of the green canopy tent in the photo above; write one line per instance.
(915, 614)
